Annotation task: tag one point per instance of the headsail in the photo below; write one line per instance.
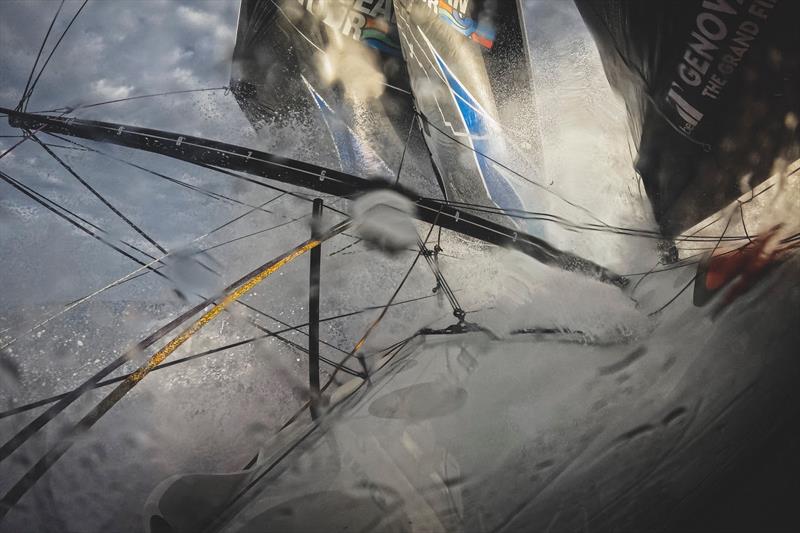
(712, 91)
(337, 66)
(331, 68)
(460, 87)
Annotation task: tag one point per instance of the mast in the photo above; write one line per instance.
(230, 157)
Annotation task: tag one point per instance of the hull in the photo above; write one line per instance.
(545, 433)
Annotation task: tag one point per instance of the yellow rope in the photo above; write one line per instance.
(173, 345)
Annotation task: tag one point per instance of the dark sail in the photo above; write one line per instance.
(712, 92)
(333, 68)
(296, 60)
(472, 94)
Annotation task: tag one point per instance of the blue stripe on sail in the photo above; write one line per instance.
(500, 190)
(355, 156)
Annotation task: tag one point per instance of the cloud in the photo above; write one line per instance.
(197, 17)
(107, 90)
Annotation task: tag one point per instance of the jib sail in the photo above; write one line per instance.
(712, 92)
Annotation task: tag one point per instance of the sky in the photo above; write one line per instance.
(116, 50)
(126, 48)
(119, 49)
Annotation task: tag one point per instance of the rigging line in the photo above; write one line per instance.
(694, 278)
(340, 250)
(29, 92)
(304, 350)
(39, 55)
(167, 364)
(363, 338)
(686, 263)
(753, 196)
(19, 186)
(66, 147)
(252, 180)
(77, 216)
(744, 225)
(211, 194)
(291, 328)
(120, 280)
(100, 197)
(40, 421)
(140, 272)
(24, 138)
(286, 223)
(441, 282)
(382, 314)
(22, 188)
(506, 167)
(405, 147)
(657, 311)
(273, 187)
(549, 217)
(41, 467)
(224, 515)
(204, 250)
(57, 205)
(69, 109)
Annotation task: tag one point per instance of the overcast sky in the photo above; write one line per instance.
(125, 48)
(114, 50)
(117, 49)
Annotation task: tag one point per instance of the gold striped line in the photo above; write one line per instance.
(175, 343)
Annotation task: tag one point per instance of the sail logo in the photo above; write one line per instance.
(369, 21)
(456, 14)
(460, 6)
(722, 34)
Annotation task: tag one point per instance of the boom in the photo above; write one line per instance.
(231, 157)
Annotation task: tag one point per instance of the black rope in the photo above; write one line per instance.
(29, 92)
(218, 228)
(100, 197)
(128, 276)
(68, 109)
(405, 147)
(222, 515)
(441, 283)
(77, 216)
(206, 192)
(204, 250)
(506, 167)
(39, 403)
(22, 188)
(369, 330)
(303, 349)
(548, 217)
(340, 250)
(39, 55)
(694, 278)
